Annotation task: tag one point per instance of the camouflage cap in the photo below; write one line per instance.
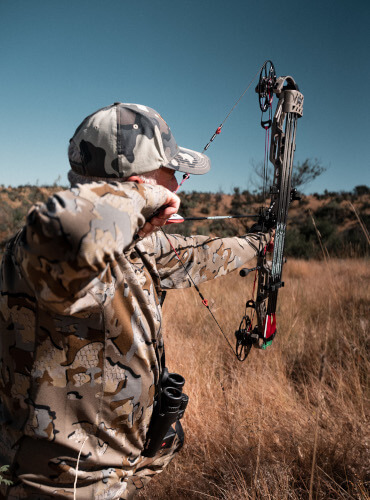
(127, 139)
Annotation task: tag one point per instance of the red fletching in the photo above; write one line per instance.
(218, 131)
(205, 302)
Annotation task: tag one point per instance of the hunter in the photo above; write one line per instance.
(82, 284)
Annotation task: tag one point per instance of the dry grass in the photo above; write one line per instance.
(288, 423)
(276, 426)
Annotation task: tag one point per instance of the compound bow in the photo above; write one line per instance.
(283, 132)
(258, 325)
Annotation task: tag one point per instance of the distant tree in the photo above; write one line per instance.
(218, 198)
(360, 190)
(236, 202)
(247, 196)
(306, 172)
(303, 173)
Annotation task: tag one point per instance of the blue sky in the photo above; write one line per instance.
(189, 60)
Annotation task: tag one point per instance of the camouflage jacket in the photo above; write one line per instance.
(81, 339)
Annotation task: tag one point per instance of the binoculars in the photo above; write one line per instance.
(169, 408)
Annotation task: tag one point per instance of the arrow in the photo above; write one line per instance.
(177, 219)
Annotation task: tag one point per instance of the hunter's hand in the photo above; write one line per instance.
(170, 207)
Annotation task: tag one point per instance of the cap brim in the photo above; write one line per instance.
(190, 162)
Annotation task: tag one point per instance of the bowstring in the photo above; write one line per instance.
(186, 176)
(264, 187)
(204, 300)
(218, 130)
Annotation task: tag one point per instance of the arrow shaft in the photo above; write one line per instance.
(218, 217)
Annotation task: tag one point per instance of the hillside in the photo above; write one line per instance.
(336, 216)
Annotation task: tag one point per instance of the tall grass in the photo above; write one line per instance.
(289, 422)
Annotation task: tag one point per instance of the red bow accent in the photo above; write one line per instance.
(270, 326)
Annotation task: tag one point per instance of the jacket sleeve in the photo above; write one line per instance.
(203, 257)
(68, 241)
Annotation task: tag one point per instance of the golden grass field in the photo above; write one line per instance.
(289, 422)
(275, 426)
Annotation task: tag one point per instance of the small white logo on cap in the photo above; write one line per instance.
(186, 157)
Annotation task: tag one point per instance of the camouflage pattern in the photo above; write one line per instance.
(81, 339)
(127, 139)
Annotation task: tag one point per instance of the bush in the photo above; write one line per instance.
(361, 190)
(333, 212)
